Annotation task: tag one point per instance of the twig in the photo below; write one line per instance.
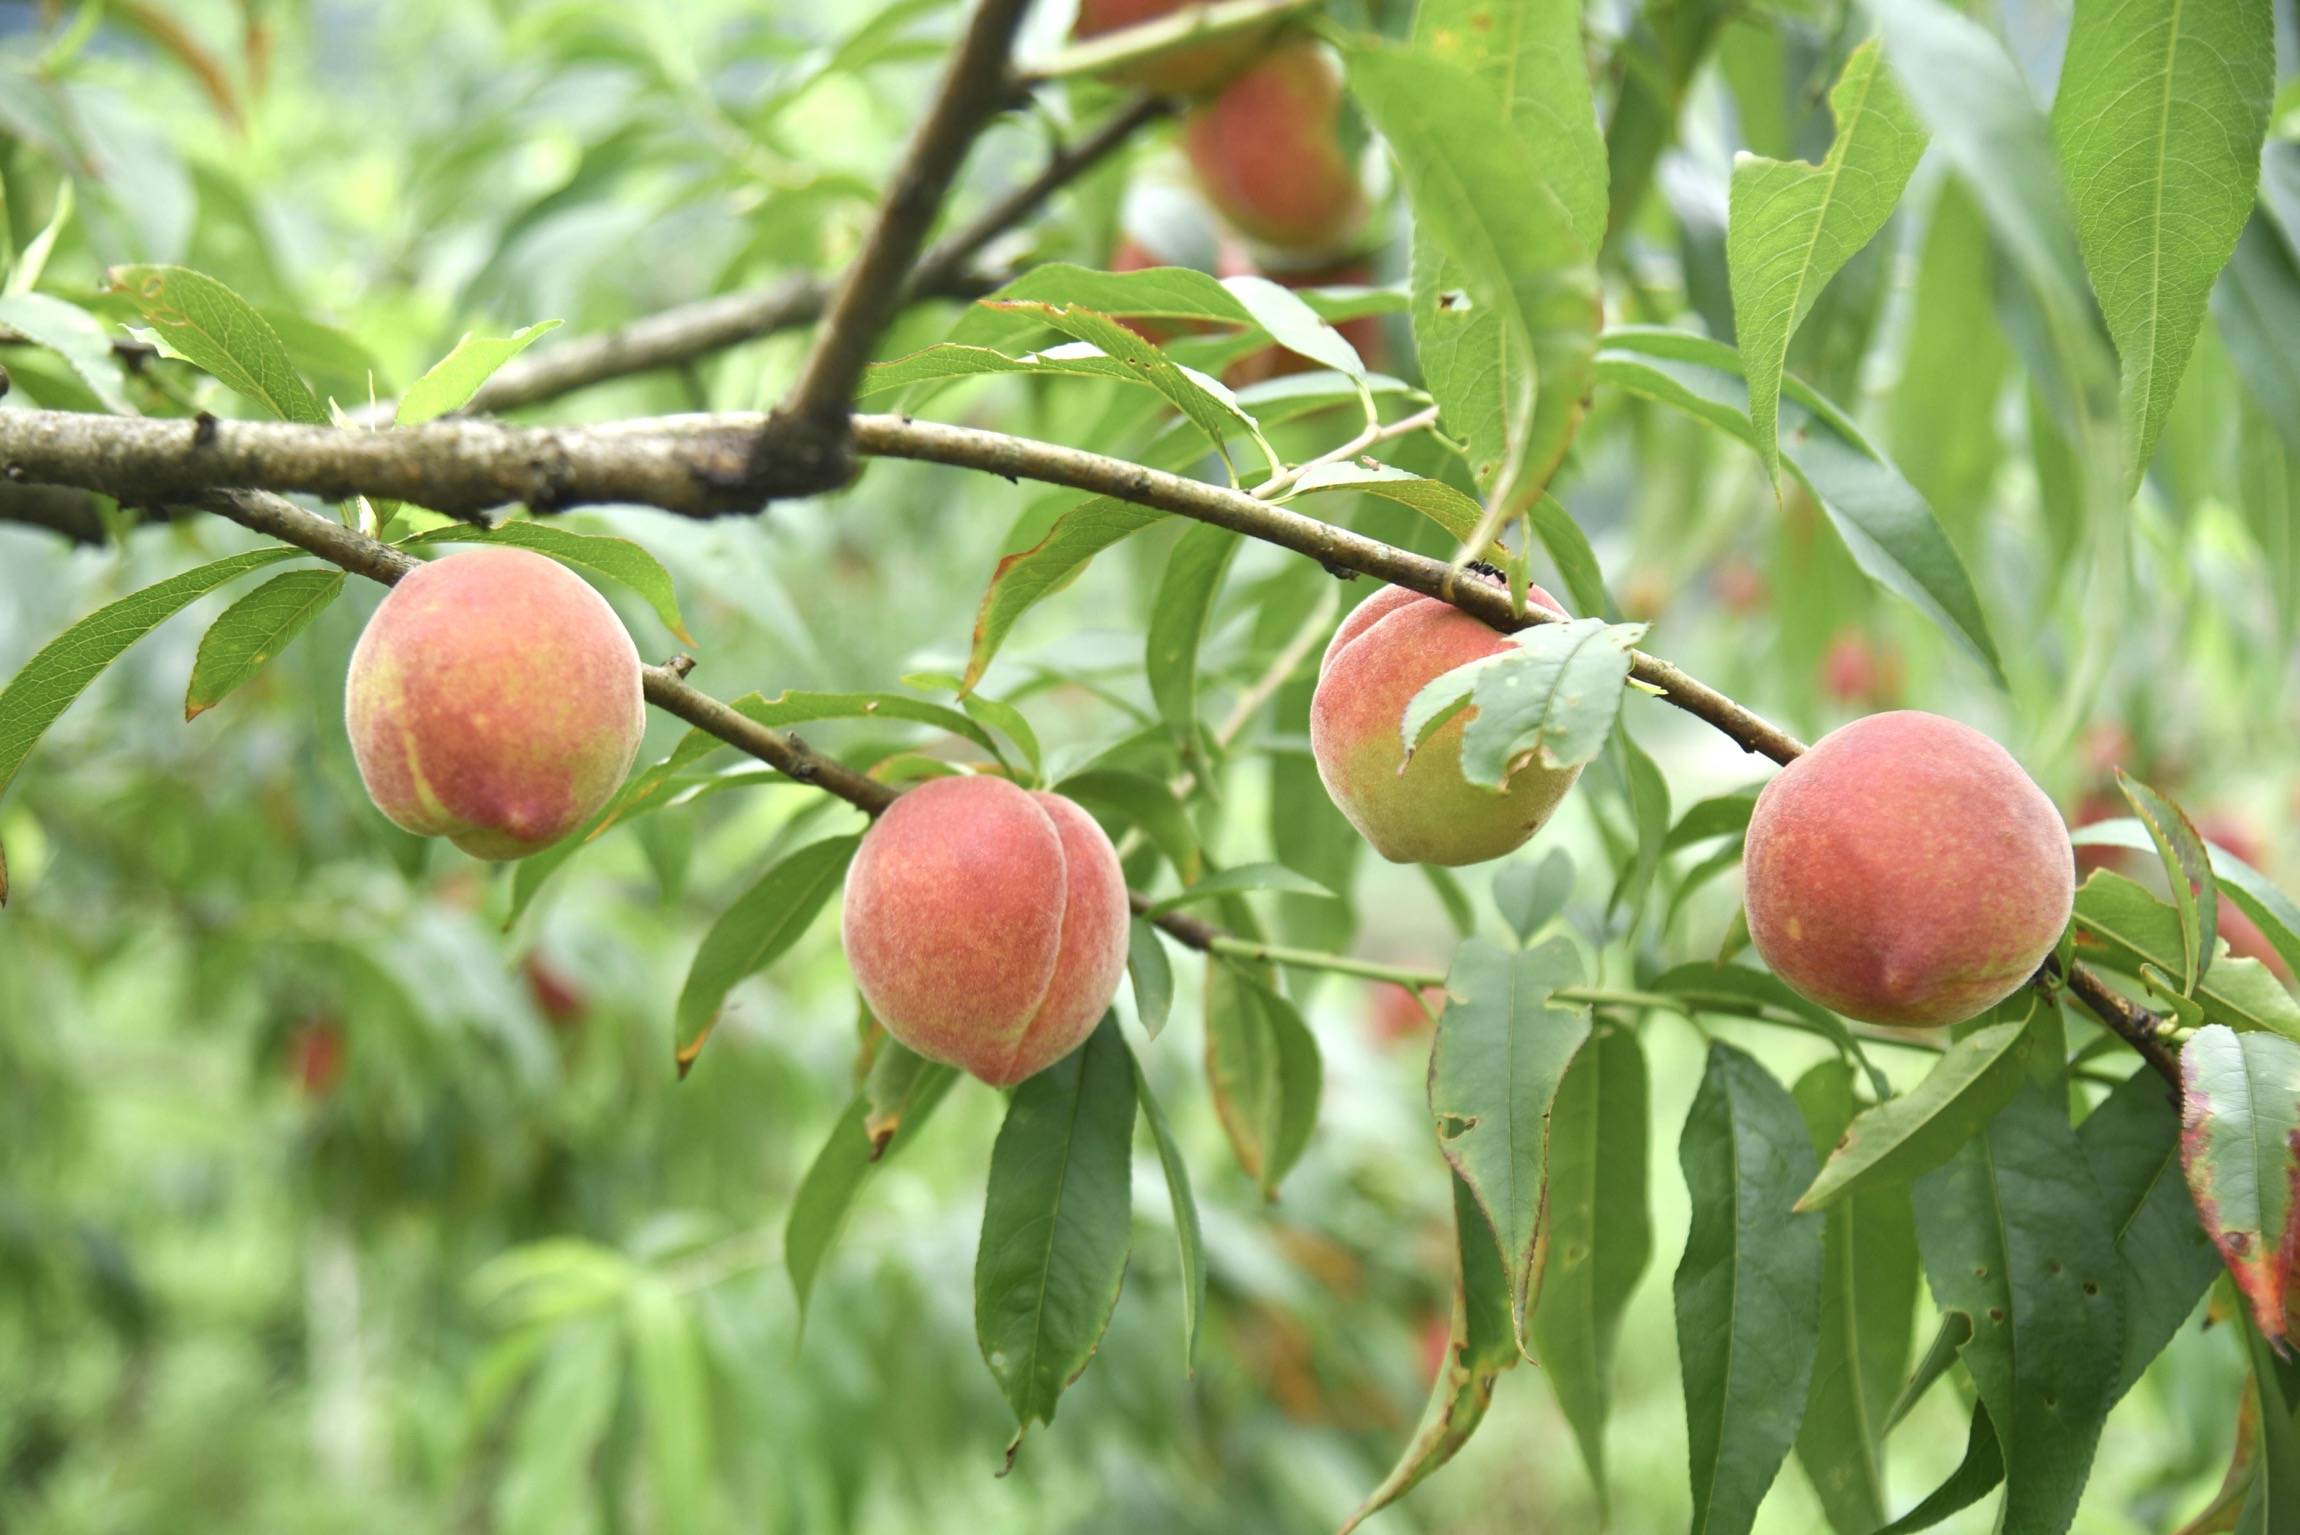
(1374, 434)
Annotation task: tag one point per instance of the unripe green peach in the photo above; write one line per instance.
(1189, 71)
(1420, 810)
(986, 925)
(1905, 871)
(494, 700)
(1269, 156)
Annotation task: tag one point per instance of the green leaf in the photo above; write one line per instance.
(253, 630)
(1152, 975)
(1794, 226)
(1056, 1225)
(1434, 499)
(1887, 527)
(1553, 695)
(1480, 1345)
(1185, 600)
(1509, 366)
(598, 554)
(2255, 305)
(1868, 1306)
(797, 708)
(1978, 1474)
(825, 1194)
(1904, 1137)
(1142, 801)
(1502, 1048)
(74, 335)
(1204, 401)
(1242, 877)
(2159, 119)
(671, 1374)
(546, 1488)
(1943, 415)
(216, 331)
(2015, 1236)
(450, 383)
(2187, 874)
(900, 1090)
(2132, 1144)
(1190, 1240)
(1569, 551)
(762, 923)
(1529, 895)
(1720, 815)
(2128, 928)
(1748, 1290)
(1262, 1063)
(2236, 880)
(2241, 1150)
(2269, 1507)
(1600, 1236)
(1940, 1357)
(1648, 794)
(1294, 325)
(1023, 580)
(40, 693)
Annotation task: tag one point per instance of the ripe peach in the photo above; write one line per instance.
(1269, 155)
(1184, 72)
(986, 925)
(494, 700)
(1906, 871)
(1422, 810)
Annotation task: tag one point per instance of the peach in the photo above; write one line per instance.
(986, 925)
(1185, 71)
(1422, 810)
(1905, 871)
(1269, 156)
(494, 699)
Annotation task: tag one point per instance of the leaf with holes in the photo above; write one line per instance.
(2240, 1145)
(2015, 1235)
(253, 630)
(1502, 1049)
(1793, 226)
(1748, 1290)
(1057, 1223)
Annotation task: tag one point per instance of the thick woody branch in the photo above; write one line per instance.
(72, 513)
(974, 90)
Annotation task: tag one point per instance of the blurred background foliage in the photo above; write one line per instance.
(327, 1199)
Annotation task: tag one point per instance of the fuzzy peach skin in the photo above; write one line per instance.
(1185, 71)
(986, 925)
(1906, 871)
(494, 700)
(1389, 646)
(1269, 156)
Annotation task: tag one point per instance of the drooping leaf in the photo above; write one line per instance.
(1903, 1137)
(2014, 1234)
(2274, 1498)
(62, 670)
(1748, 1290)
(599, 554)
(1152, 975)
(1977, 1475)
(253, 630)
(2158, 122)
(899, 1092)
(2240, 1146)
(764, 921)
(1502, 1048)
(1189, 1239)
(1262, 1063)
(74, 335)
(1056, 1225)
(1143, 801)
(1023, 580)
(1794, 226)
(2254, 305)
(1186, 593)
(218, 332)
(1648, 795)
(1886, 526)
(2132, 1144)
(449, 383)
(1553, 695)
(1600, 1235)
(670, 1376)
(1868, 1307)
(1530, 894)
